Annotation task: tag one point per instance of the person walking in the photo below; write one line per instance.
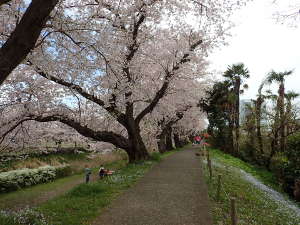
(101, 172)
(87, 172)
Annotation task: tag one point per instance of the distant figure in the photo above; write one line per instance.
(202, 142)
(87, 172)
(102, 172)
(197, 139)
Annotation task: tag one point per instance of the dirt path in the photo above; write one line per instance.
(172, 193)
(41, 193)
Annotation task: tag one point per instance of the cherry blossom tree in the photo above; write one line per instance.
(119, 57)
(181, 101)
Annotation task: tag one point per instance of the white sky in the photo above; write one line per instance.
(262, 45)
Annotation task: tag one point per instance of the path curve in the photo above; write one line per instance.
(173, 192)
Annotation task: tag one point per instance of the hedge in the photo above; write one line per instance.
(16, 179)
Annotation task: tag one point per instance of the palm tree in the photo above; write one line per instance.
(280, 79)
(274, 128)
(235, 74)
(289, 97)
(258, 104)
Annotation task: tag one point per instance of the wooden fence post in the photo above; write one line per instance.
(218, 187)
(209, 168)
(233, 212)
(207, 153)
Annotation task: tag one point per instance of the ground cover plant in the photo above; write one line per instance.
(255, 205)
(16, 179)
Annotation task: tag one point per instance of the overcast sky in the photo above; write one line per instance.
(261, 44)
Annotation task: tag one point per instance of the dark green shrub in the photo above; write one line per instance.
(291, 169)
(63, 171)
(293, 148)
(156, 156)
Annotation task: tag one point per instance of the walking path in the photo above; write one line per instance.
(36, 195)
(172, 193)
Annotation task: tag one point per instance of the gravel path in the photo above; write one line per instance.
(172, 193)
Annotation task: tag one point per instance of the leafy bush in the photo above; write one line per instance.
(291, 168)
(63, 171)
(16, 179)
(293, 148)
(156, 156)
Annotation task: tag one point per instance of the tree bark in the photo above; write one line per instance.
(25, 35)
(161, 137)
(169, 139)
(237, 115)
(231, 134)
(161, 142)
(137, 150)
(177, 141)
(282, 117)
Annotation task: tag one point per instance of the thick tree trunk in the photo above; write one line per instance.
(178, 143)
(137, 150)
(231, 138)
(161, 142)
(169, 139)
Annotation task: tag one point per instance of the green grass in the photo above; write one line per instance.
(8, 200)
(260, 173)
(254, 206)
(83, 203)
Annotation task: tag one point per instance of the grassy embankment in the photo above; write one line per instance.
(83, 203)
(39, 193)
(254, 206)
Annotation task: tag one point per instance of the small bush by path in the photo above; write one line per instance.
(254, 206)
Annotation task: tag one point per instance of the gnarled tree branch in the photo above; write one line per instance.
(105, 136)
(110, 109)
